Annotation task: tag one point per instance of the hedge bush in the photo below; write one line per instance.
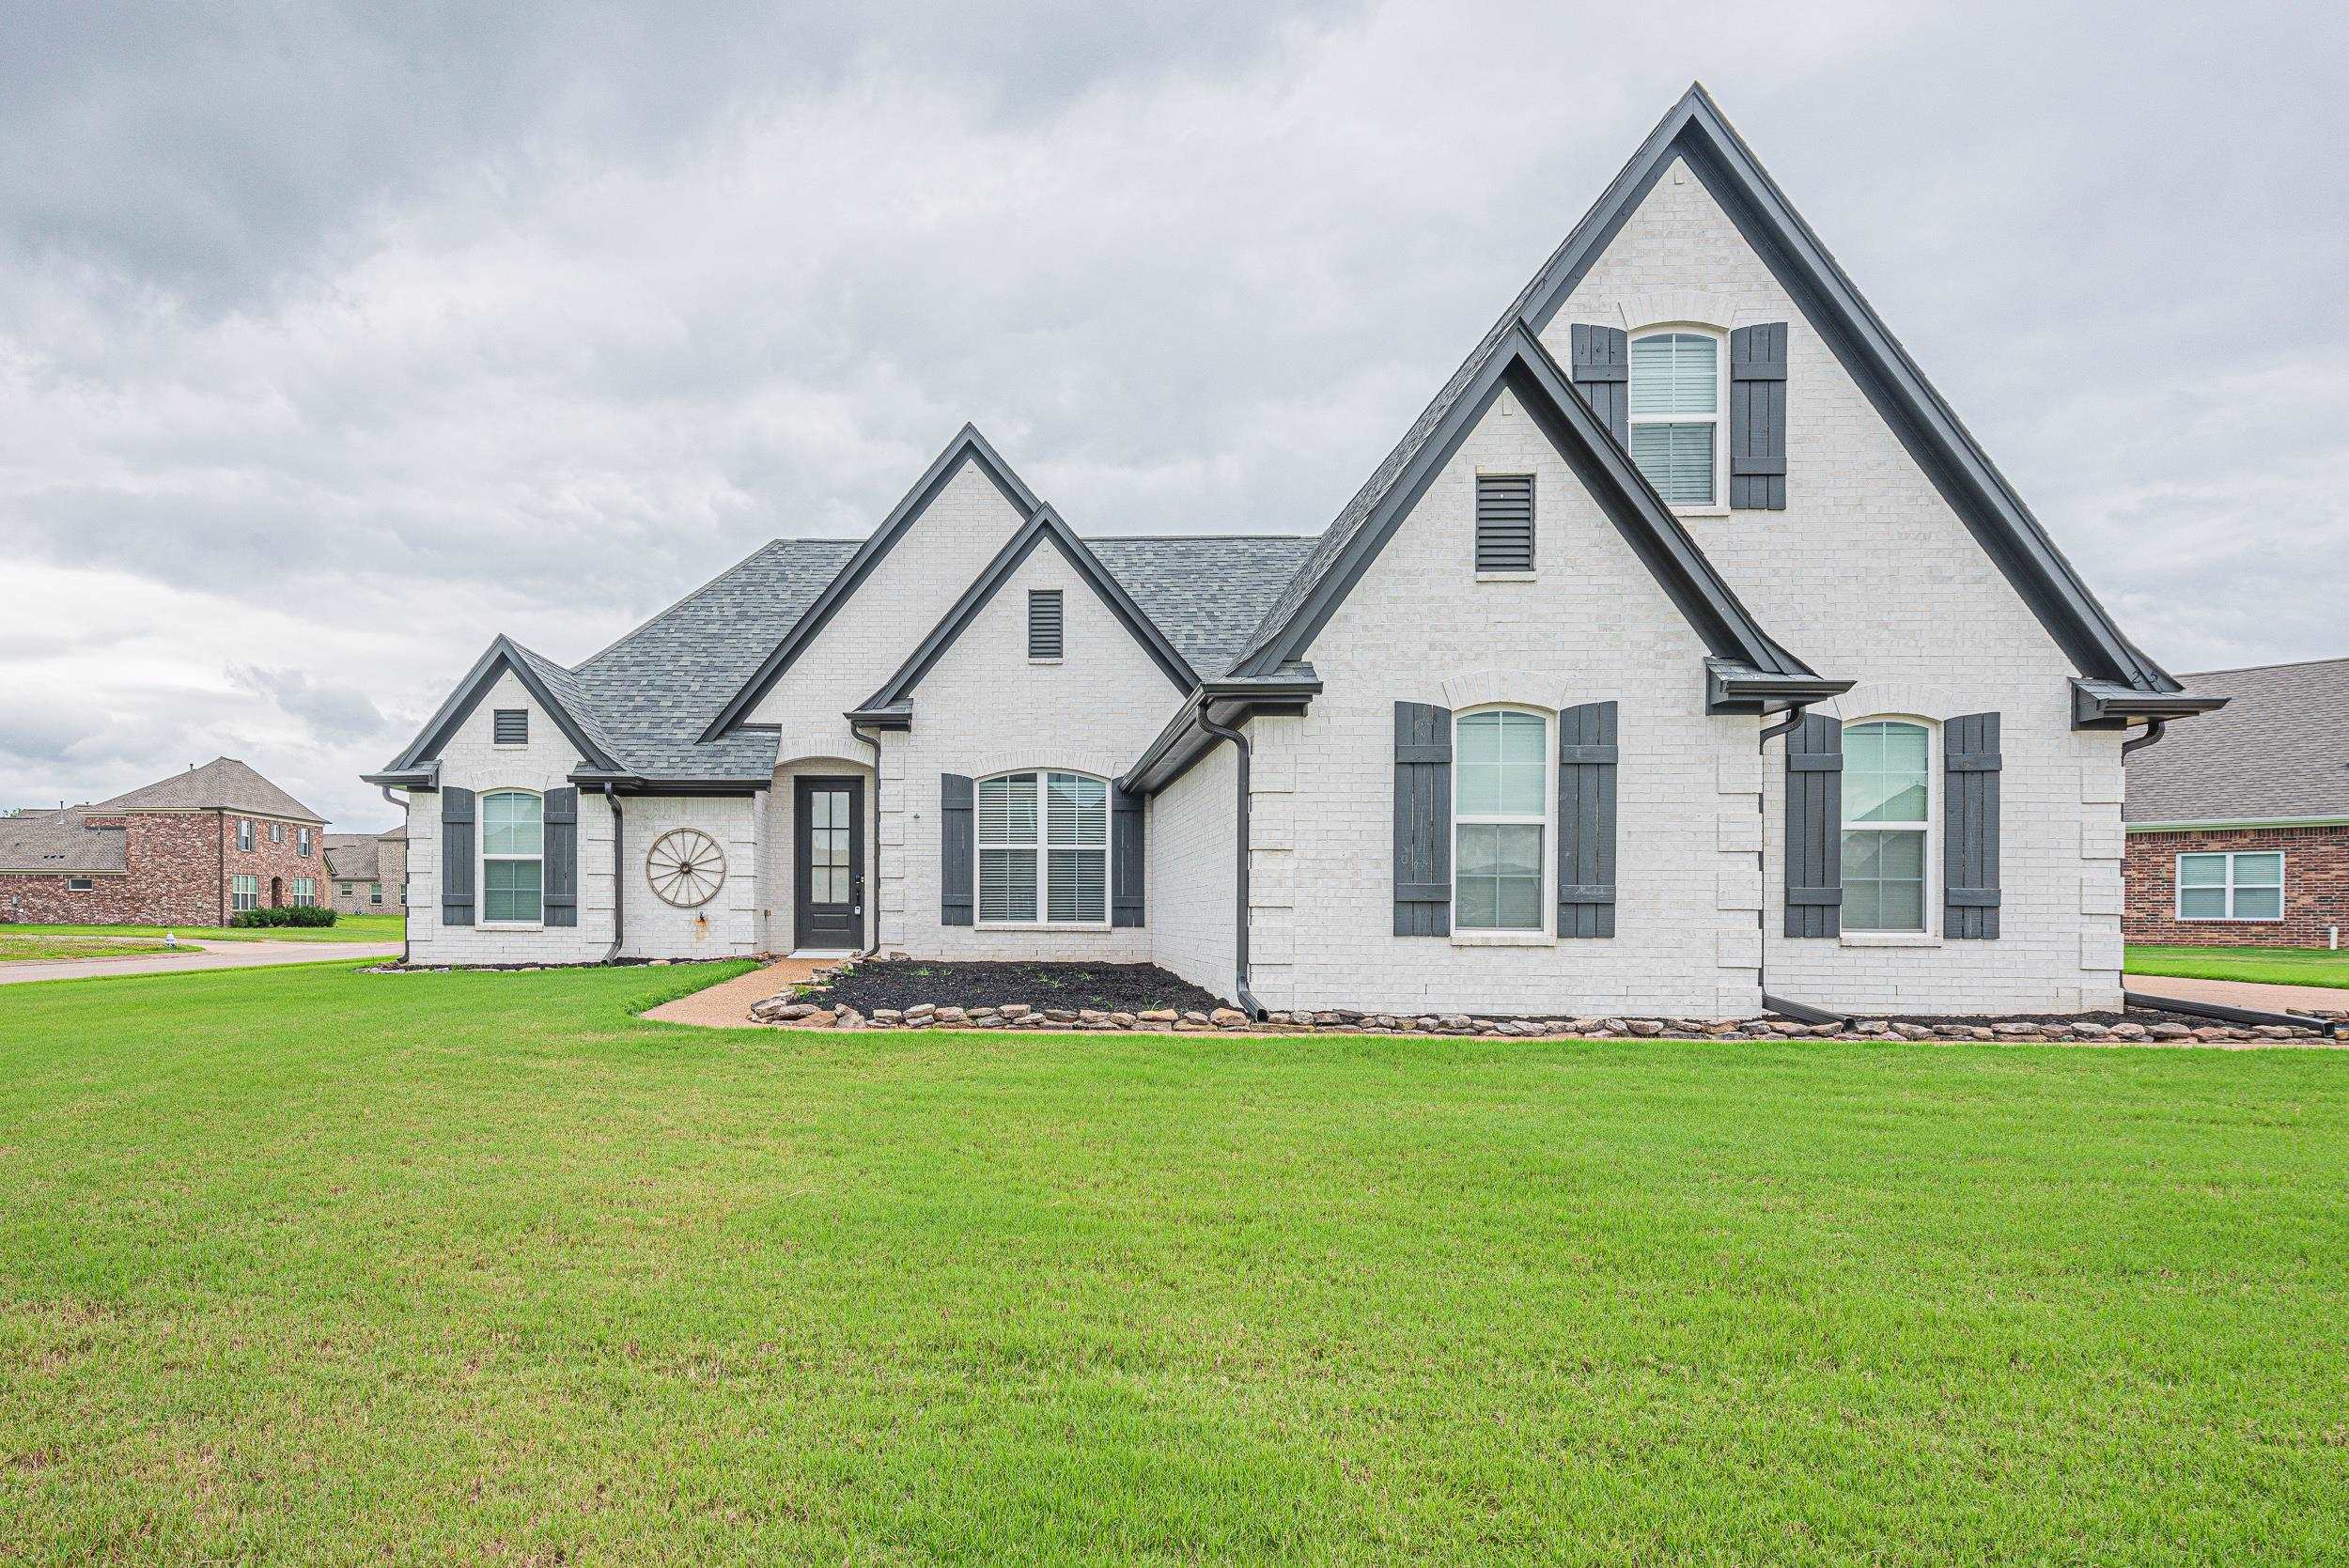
(315, 914)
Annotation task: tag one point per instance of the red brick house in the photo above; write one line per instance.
(2238, 823)
(191, 849)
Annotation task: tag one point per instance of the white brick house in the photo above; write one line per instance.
(1686, 649)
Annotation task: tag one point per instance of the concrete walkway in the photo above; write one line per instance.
(2242, 993)
(217, 955)
(728, 1004)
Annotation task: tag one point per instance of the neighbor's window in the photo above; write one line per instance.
(375, 893)
(1677, 415)
(512, 843)
(245, 892)
(1501, 806)
(2232, 887)
(302, 841)
(306, 891)
(244, 834)
(1888, 798)
(1043, 844)
(79, 884)
(277, 832)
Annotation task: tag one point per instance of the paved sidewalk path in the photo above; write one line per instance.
(728, 1004)
(2242, 993)
(217, 955)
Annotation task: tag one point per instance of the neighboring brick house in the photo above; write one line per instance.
(2238, 825)
(369, 871)
(1687, 649)
(191, 849)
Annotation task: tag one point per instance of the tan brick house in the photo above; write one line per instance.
(368, 872)
(2238, 824)
(191, 849)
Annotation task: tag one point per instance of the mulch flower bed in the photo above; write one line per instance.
(902, 993)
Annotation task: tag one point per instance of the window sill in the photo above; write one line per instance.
(508, 926)
(1891, 939)
(1714, 511)
(1508, 577)
(1044, 661)
(1045, 926)
(1502, 938)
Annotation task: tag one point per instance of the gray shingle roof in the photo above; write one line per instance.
(223, 781)
(351, 857)
(1205, 592)
(2278, 749)
(58, 841)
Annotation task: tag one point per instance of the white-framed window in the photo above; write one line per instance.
(375, 893)
(245, 832)
(1500, 795)
(1044, 849)
(1888, 825)
(79, 884)
(306, 891)
(1677, 394)
(2245, 884)
(277, 832)
(513, 846)
(302, 841)
(244, 892)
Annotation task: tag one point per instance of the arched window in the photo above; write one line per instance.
(513, 842)
(1043, 843)
(1676, 413)
(1501, 813)
(1888, 823)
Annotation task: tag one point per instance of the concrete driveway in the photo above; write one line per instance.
(2242, 993)
(217, 955)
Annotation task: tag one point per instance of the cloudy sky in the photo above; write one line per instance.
(332, 343)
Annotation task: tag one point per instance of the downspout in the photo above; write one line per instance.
(2139, 742)
(1800, 1012)
(872, 852)
(385, 791)
(619, 874)
(1240, 899)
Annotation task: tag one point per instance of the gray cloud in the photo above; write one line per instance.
(367, 331)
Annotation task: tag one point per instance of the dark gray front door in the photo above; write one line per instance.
(827, 860)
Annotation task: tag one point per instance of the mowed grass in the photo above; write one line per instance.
(2272, 966)
(347, 928)
(311, 1265)
(16, 946)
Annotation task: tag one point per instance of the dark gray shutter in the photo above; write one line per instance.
(456, 856)
(1126, 871)
(956, 850)
(1969, 826)
(1422, 820)
(1602, 374)
(510, 726)
(561, 892)
(1586, 821)
(1044, 622)
(1757, 417)
(1504, 523)
(1815, 827)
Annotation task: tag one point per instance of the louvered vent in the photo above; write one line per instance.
(1504, 523)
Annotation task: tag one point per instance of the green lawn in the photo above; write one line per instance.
(310, 1265)
(18, 945)
(347, 928)
(2273, 966)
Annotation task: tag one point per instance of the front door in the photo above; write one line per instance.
(827, 860)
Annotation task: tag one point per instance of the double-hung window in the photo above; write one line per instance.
(244, 892)
(1043, 843)
(302, 841)
(375, 893)
(306, 891)
(1500, 812)
(277, 832)
(1887, 803)
(2236, 886)
(1677, 415)
(245, 832)
(512, 845)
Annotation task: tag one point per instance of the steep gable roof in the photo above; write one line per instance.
(1044, 527)
(550, 685)
(351, 857)
(1695, 131)
(222, 783)
(2278, 750)
(968, 446)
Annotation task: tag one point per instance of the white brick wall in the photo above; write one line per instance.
(985, 708)
(1192, 874)
(727, 925)
(779, 908)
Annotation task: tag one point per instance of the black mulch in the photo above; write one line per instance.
(900, 982)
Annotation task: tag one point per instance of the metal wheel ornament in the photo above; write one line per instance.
(686, 868)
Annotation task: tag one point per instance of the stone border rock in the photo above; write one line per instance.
(789, 1011)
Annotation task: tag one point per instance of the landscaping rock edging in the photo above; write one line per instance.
(789, 1011)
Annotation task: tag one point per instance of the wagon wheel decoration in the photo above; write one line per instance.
(686, 868)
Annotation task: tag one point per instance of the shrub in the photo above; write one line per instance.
(315, 914)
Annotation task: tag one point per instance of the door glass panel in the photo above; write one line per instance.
(828, 815)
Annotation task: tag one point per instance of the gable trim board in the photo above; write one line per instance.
(968, 446)
(890, 707)
(503, 654)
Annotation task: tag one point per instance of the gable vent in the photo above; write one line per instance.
(1044, 620)
(511, 726)
(1504, 523)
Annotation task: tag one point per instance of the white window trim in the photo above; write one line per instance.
(1546, 935)
(234, 892)
(1043, 847)
(1719, 506)
(244, 835)
(482, 857)
(2177, 889)
(1930, 936)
